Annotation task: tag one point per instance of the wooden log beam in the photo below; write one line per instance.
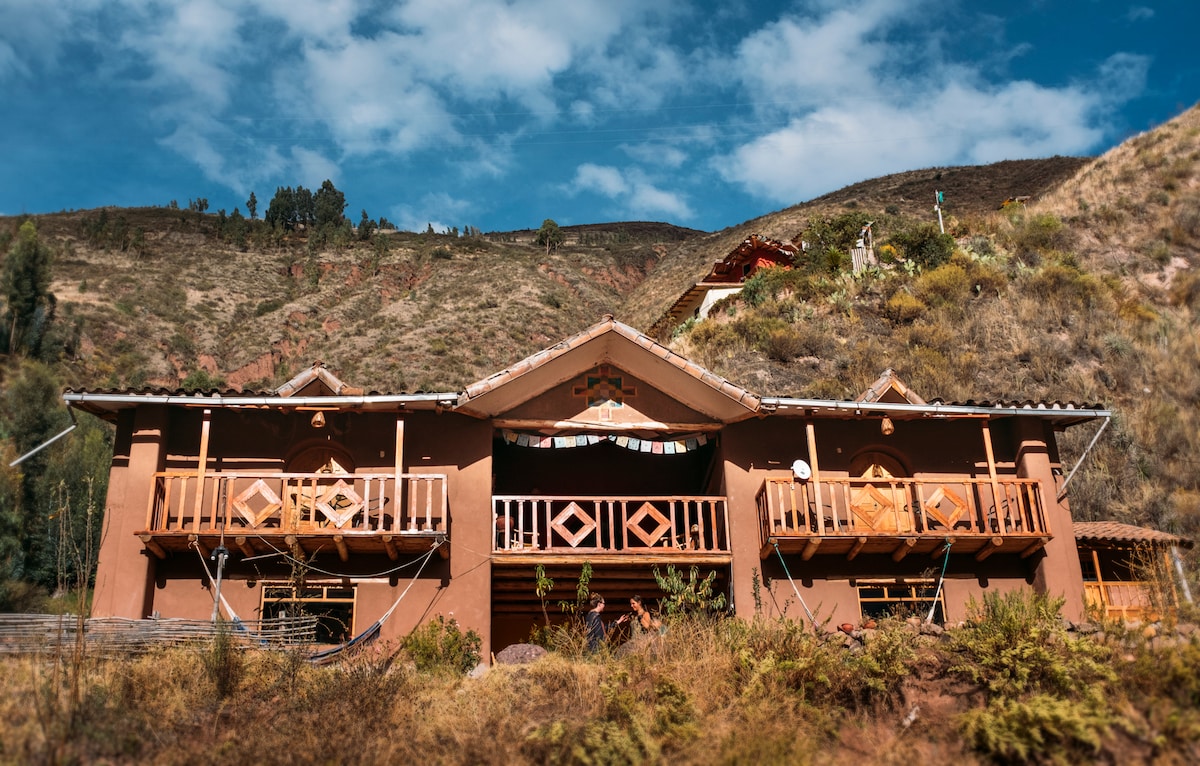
(810, 548)
(152, 546)
(339, 541)
(991, 547)
(390, 547)
(245, 546)
(859, 544)
(1035, 547)
(903, 548)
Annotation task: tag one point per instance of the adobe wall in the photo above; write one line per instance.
(131, 583)
(758, 449)
(124, 570)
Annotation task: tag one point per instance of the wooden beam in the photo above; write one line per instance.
(991, 547)
(339, 542)
(903, 548)
(810, 548)
(859, 544)
(390, 547)
(1035, 547)
(152, 546)
(245, 546)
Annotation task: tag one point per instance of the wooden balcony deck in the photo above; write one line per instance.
(899, 516)
(621, 529)
(260, 512)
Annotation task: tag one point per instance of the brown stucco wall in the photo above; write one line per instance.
(131, 583)
(757, 449)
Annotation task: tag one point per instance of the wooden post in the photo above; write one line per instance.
(811, 434)
(399, 488)
(202, 464)
(991, 460)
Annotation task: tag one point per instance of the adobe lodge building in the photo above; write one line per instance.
(606, 448)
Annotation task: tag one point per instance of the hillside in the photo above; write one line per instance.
(1087, 292)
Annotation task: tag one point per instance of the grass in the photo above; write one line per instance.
(708, 691)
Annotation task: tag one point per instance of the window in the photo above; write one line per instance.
(332, 604)
(901, 599)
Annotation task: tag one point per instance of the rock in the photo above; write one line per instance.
(520, 654)
(931, 629)
(478, 671)
(1086, 628)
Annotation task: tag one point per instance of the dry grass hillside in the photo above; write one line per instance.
(1087, 292)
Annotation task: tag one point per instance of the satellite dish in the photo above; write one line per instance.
(801, 470)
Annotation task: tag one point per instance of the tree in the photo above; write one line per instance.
(366, 227)
(549, 235)
(328, 205)
(252, 206)
(304, 212)
(25, 281)
(282, 210)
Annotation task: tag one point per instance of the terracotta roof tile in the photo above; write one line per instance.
(1115, 531)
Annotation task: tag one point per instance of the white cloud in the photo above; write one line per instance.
(432, 210)
(635, 196)
(1139, 13)
(851, 114)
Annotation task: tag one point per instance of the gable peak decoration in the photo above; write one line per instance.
(603, 387)
(317, 380)
(889, 388)
(626, 352)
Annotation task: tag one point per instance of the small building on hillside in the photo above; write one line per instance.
(606, 450)
(1130, 572)
(726, 278)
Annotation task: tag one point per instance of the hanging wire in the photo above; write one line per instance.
(941, 579)
(796, 590)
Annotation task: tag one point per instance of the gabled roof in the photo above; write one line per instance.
(317, 381)
(1116, 534)
(609, 342)
(724, 274)
(889, 388)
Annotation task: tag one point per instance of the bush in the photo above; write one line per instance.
(440, 646)
(904, 307)
(946, 285)
(925, 245)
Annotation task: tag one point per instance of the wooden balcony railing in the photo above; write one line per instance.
(269, 505)
(982, 515)
(666, 525)
(1126, 600)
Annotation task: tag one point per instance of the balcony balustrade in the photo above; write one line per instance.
(849, 516)
(361, 512)
(695, 528)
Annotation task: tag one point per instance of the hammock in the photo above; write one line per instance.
(328, 655)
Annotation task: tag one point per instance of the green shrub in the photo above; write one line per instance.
(440, 646)
(1041, 728)
(1016, 644)
(1041, 233)
(903, 307)
(925, 245)
(1063, 286)
(946, 285)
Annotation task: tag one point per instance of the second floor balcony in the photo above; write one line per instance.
(689, 529)
(259, 512)
(896, 516)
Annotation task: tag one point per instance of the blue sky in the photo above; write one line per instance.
(498, 114)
